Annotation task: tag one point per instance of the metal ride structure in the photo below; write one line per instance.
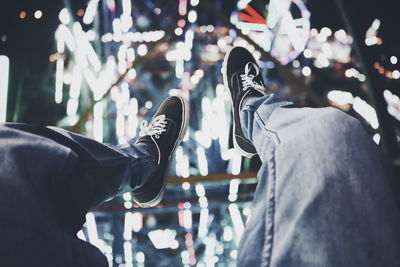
(117, 60)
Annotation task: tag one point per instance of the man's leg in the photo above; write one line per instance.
(323, 197)
(100, 172)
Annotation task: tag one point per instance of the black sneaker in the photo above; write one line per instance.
(165, 131)
(243, 78)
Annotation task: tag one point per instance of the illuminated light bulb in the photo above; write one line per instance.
(22, 15)
(306, 71)
(178, 31)
(393, 60)
(326, 31)
(396, 74)
(80, 12)
(38, 14)
(142, 50)
(192, 16)
(64, 16)
(194, 2)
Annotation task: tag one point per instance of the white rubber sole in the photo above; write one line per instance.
(185, 118)
(235, 144)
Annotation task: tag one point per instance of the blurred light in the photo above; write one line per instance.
(200, 191)
(132, 116)
(234, 186)
(228, 234)
(182, 7)
(4, 73)
(98, 122)
(140, 257)
(393, 60)
(137, 221)
(128, 255)
(236, 221)
(370, 41)
(128, 205)
(187, 219)
(67, 78)
(185, 186)
(203, 223)
(64, 16)
(192, 16)
(236, 164)
(178, 31)
(340, 97)
(194, 79)
(241, 4)
(126, 6)
(366, 111)
(326, 31)
(210, 28)
(306, 71)
(321, 38)
(132, 74)
(162, 239)
(64, 34)
(246, 211)
(202, 161)
(22, 15)
(393, 102)
(157, 11)
(80, 12)
(362, 78)
(307, 53)
(313, 32)
(194, 2)
(72, 107)
(75, 88)
(181, 23)
(130, 54)
(128, 226)
(127, 196)
(142, 50)
(91, 35)
(38, 14)
(199, 73)
(90, 12)
(59, 80)
(203, 202)
(233, 254)
(376, 24)
(296, 63)
(396, 74)
(340, 35)
(148, 104)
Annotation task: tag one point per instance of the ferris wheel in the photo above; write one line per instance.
(285, 31)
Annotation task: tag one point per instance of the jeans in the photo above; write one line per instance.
(322, 197)
(49, 179)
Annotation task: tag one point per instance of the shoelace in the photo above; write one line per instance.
(247, 78)
(156, 127)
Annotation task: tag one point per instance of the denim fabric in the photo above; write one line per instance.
(322, 197)
(47, 184)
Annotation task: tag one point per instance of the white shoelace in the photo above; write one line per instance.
(247, 77)
(155, 128)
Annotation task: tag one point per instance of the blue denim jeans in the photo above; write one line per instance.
(322, 197)
(49, 179)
